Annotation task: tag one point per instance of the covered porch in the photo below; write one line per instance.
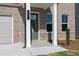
(35, 36)
(40, 43)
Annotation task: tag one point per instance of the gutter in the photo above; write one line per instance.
(24, 26)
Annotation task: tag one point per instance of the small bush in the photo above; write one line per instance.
(68, 37)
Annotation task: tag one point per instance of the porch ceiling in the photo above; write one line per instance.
(41, 5)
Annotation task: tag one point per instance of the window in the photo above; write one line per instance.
(64, 27)
(64, 22)
(49, 27)
(49, 22)
(33, 17)
(49, 18)
(64, 19)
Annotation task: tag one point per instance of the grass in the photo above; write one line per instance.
(65, 53)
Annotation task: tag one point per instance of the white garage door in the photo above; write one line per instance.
(5, 29)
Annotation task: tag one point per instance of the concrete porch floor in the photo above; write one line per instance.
(40, 43)
(18, 50)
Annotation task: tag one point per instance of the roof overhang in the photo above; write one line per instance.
(12, 4)
(41, 5)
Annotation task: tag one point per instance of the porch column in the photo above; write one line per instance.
(28, 26)
(54, 22)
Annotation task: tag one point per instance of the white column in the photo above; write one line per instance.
(55, 24)
(53, 8)
(28, 28)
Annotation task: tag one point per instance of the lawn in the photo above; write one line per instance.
(65, 53)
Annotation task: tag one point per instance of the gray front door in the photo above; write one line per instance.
(34, 26)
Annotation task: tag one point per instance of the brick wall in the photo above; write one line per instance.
(69, 9)
(17, 21)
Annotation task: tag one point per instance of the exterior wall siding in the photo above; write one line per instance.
(18, 28)
(68, 9)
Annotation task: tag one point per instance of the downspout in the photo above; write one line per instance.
(24, 25)
(27, 25)
(22, 10)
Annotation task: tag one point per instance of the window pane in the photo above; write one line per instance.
(49, 18)
(49, 27)
(64, 18)
(34, 21)
(64, 27)
(49, 22)
(33, 17)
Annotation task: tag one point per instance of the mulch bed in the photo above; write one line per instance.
(74, 44)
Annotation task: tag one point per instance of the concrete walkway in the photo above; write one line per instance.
(46, 50)
(17, 50)
(40, 43)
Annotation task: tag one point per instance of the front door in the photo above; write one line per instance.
(34, 26)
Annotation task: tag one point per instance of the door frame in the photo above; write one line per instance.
(38, 22)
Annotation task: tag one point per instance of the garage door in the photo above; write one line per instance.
(5, 29)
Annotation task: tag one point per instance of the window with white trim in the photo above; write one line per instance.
(64, 22)
(49, 22)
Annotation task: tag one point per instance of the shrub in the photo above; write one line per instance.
(67, 37)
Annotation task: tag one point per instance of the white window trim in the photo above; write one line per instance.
(65, 23)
